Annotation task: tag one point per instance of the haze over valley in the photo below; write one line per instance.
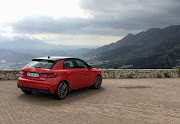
(154, 48)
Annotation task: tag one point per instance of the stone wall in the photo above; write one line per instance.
(140, 73)
(9, 74)
(112, 73)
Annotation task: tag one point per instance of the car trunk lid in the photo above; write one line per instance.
(35, 73)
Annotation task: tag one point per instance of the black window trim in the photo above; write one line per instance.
(75, 64)
(83, 62)
(72, 62)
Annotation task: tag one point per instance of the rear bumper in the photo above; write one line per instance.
(33, 89)
(37, 85)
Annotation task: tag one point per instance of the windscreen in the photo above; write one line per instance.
(41, 64)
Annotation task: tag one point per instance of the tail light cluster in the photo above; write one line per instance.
(49, 75)
(22, 73)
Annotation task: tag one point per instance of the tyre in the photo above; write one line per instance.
(97, 82)
(61, 90)
(26, 91)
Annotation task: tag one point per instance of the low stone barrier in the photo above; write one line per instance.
(112, 73)
(9, 74)
(140, 73)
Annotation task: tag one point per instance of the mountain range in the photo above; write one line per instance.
(154, 48)
(16, 52)
(20, 49)
(7, 55)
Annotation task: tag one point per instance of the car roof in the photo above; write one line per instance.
(54, 58)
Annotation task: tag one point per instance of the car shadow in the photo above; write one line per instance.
(73, 96)
(135, 87)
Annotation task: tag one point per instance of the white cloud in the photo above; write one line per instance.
(13, 10)
(6, 29)
(84, 22)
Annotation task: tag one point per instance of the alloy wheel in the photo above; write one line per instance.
(62, 90)
(97, 83)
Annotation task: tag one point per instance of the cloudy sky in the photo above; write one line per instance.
(84, 22)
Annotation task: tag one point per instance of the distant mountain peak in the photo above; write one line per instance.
(129, 35)
(153, 29)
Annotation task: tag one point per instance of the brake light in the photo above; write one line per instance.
(49, 75)
(22, 73)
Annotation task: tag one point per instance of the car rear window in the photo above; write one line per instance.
(47, 64)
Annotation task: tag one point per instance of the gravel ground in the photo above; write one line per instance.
(119, 101)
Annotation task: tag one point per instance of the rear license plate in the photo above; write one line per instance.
(32, 74)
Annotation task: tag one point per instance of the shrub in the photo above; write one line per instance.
(167, 75)
(159, 76)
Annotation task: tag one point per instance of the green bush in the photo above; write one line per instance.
(167, 75)
(159, 76)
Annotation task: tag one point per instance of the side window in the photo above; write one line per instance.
(81, 64)
(68, 64)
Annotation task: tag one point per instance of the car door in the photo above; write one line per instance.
(86, 74)
(74, 75)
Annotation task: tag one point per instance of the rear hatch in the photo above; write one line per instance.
(38, 70)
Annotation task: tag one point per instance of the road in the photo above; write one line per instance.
(119, 101)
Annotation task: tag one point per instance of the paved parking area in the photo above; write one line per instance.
(119, 101)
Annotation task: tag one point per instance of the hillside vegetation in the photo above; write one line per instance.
(155, 48)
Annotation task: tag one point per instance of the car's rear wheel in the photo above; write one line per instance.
(26, 91)
(97, 82)
(61, 90)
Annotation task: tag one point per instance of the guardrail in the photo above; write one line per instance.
(112, 73)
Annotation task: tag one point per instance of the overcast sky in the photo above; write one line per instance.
(84, 22)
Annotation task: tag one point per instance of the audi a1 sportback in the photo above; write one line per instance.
(58, 76)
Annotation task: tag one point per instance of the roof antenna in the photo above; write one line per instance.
(49, 57)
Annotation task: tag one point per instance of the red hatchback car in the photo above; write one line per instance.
(58, 75)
